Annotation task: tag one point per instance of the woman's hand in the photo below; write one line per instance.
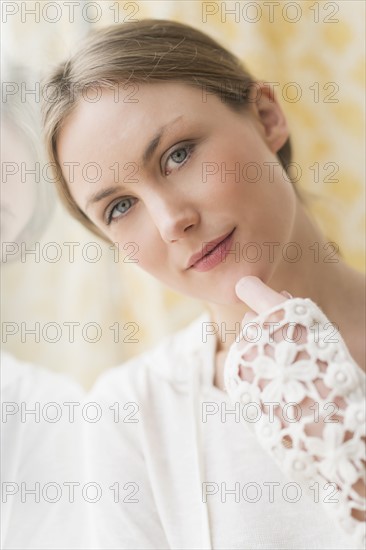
(257, 295)
(302, 394)
(263, 300)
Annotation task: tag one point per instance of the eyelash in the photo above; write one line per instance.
(108, 216)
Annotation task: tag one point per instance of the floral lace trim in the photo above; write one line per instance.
(304, 397)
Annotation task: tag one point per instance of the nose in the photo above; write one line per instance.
(173, 216)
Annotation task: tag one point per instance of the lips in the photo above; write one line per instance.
(206, 249)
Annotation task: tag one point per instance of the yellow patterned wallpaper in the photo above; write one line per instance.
(313, 52)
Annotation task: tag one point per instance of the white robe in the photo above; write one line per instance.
(165, 459)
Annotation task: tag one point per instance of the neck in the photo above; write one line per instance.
(319, 274)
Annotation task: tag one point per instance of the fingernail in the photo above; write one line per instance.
(240, 283)
(287, 294)
(243, 282)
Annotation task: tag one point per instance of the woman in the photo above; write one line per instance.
(190, 157)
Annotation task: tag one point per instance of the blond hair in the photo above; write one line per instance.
(150, 50)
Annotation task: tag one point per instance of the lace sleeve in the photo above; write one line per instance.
(304, 397)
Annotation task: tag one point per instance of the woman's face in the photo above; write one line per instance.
(212, 171)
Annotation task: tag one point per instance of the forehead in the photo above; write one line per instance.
(126, 114)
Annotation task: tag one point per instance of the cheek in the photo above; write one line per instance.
(251, 187)
(149, 251)
(150, 258)
(235, 166)
(251, 169)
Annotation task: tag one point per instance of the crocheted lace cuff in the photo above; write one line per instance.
(304, 397)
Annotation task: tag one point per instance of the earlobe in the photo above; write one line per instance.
(270, 116)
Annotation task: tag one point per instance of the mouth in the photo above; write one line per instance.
(208, 249)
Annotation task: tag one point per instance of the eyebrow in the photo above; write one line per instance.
(148, 153)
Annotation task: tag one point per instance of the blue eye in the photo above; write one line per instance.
(180, 155)
(118, 210)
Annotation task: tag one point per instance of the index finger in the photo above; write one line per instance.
(257, 295)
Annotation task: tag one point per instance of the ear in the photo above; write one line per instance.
(268, 113)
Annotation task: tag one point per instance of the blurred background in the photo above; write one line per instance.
(80, 315)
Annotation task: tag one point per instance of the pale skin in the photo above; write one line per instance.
(171, 210)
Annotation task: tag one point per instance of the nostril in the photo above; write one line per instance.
(192, 225)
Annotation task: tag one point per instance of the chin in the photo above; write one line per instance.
(220, 288)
